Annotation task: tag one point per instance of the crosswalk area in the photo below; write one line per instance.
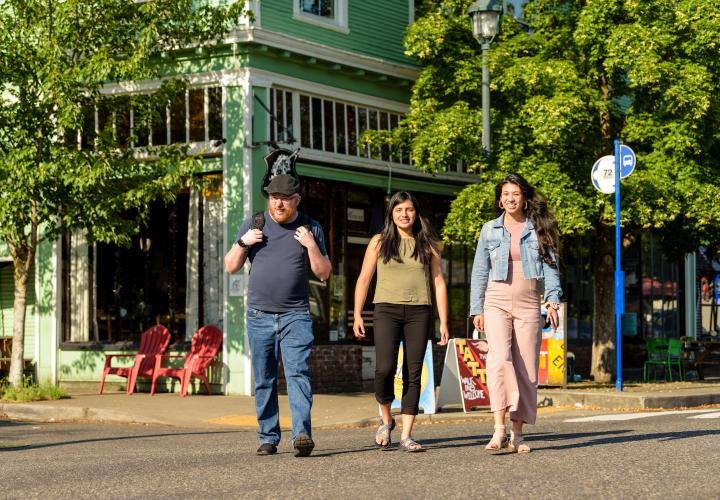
(620, 417)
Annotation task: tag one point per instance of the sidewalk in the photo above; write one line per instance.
(334, 410)
(634, 395)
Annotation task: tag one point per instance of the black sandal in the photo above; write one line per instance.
(384, 432)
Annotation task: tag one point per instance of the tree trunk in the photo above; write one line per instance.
(22, 262)
(603, 351)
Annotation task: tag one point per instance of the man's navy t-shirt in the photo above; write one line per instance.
(280, 270)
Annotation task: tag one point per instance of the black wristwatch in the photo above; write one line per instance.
(241, 243)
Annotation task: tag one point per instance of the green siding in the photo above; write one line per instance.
(7, 296)
(45, 310)
(376, 27)
(377, 180)
(234, 197)
(325, 74)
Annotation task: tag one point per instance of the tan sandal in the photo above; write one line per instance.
(517, 444)
(409, 445)
(499, 439)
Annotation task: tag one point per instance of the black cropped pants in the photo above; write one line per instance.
(393, 323)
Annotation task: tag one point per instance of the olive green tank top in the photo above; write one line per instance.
(406, 282)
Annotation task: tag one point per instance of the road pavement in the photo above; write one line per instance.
(575, 454)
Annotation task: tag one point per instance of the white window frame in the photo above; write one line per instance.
(339, 23)
(208, 148)
(360, 154)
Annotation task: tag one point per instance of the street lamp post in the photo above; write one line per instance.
(485, 20)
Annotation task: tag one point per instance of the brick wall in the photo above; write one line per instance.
(333, 369)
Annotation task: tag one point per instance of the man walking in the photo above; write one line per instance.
(280, 249)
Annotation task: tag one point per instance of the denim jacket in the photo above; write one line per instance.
(491, 262)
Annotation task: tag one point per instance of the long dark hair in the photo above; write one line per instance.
(537, 211)
(426, 242)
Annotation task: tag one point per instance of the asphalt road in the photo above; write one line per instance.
(660, 455)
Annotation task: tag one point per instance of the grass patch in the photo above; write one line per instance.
(30, 392)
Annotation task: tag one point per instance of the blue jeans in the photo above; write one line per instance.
(290, 333)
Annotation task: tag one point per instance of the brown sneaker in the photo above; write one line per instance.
(266, 449)
(303, 445)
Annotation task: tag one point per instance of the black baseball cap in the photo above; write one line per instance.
(283, 184)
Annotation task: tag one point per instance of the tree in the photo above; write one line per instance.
(55, 57)
(584, 73)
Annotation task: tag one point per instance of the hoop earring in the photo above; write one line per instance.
(526, 205)
(500, 205)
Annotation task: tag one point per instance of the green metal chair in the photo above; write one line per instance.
(656, 356)
(666, 354)
(675, 357)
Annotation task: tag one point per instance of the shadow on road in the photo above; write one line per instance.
(9, 446)
(657, 436)
(482, 439)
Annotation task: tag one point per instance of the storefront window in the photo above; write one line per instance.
(457, 273)
(708, 293)
(660, 291)
(315, 203)
(171, 274)
(576, 282)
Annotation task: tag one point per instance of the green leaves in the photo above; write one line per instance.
(55, 57)
(586, 72)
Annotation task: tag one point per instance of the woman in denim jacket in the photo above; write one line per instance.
(515, 257)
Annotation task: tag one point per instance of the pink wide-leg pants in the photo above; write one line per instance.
(512, 328)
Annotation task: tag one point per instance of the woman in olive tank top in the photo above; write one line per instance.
(407, 259)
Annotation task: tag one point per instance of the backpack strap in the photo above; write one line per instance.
(258, 220)
(305, 221)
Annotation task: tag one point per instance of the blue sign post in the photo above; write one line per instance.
(619, 275)
(618, 166)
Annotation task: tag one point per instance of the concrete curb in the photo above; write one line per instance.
(46, 413)
(625, 401)
(56, 413)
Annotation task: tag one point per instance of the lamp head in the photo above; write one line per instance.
(485, 19)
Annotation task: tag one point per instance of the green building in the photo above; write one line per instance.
(327, 70)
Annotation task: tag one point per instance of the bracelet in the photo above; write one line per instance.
(554, 305)
(241, 243)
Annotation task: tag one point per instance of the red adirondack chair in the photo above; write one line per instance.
(204, 346)
(153, 341)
